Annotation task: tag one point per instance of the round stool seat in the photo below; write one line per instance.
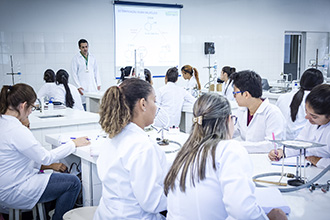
(83, 213)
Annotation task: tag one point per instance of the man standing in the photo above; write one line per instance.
(85, 73)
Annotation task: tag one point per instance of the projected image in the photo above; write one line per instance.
(148, 33)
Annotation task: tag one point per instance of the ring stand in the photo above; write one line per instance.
(301, 146)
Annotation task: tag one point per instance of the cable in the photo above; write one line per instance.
(291, 189)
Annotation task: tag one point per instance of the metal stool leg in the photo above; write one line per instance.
(41, 210)
(34, 213)
(18, 214)
(11, 214)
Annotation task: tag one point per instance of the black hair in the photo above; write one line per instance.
(147, 75)
(125, 72)
(49, 76)
(310, 78)
(319, 99)
(81, 41)
(172, 74)
(62, 77)
(229, 70)
(248, 80)
(12, 96)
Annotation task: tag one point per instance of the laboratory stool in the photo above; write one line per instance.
(16, 214)
(83, 213)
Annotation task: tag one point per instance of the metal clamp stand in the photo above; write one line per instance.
(208, 84)
(298, 180)
(12, 70)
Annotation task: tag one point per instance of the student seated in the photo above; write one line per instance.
(58, 167)
(66, 92)
(49, 77)
(227, 86)
(63, 91)
(21, 184)
(170, 99)
(316, 130)
(211, 176)
(148, 76)
(258, 119)
(193, 85)
(131, 166)
(292, 104)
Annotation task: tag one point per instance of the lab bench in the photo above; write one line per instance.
(91, 184)
(59, 121)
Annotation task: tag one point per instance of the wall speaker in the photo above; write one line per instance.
(209, 48)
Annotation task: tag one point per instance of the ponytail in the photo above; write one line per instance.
(295, 103)
(197, 78)
(117, 105)
(12, 96)
(3, 99)
(310, 78)
(229, 70)
(114, 112)
(62, 77)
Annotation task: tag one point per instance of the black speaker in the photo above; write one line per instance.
(209, 48)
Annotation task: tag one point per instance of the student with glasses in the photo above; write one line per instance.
(258, 119)
(21, 184)
(211, 175)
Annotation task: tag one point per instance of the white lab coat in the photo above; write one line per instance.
(21, 186)
(132, 170)
(88, 80)
(267, 119)
(227, 90)
(170, 99)
(225, 193)
(58, 93)
(192, 87)
(44, 90)
(292, 128)
(318, 135)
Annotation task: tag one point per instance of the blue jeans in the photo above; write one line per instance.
(64, 188)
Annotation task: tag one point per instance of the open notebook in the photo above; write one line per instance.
(269, 198)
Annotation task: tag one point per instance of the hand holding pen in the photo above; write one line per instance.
(275, 156)
(81, 141)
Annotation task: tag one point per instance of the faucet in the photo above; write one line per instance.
(41, 105)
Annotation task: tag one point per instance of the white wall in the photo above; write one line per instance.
(248, 34)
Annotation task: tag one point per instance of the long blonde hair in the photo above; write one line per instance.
(117, 106)
(214, 110)
(193, 72)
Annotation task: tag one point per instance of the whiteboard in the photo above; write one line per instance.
(147, 36)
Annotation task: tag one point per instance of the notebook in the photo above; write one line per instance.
(269, 198)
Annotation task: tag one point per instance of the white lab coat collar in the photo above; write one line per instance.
(134, 127)
(263, 106)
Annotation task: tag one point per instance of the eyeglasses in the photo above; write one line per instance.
(234, 119)
(33, 108)
(234, 93)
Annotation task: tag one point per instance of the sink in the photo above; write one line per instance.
(279, 90)
(50, 116)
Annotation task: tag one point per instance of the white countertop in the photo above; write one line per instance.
(95, 95)
(89, 152)
(69, 117)
(303, 203)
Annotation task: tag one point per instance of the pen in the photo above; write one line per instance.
(275, 150)
(72, 138)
